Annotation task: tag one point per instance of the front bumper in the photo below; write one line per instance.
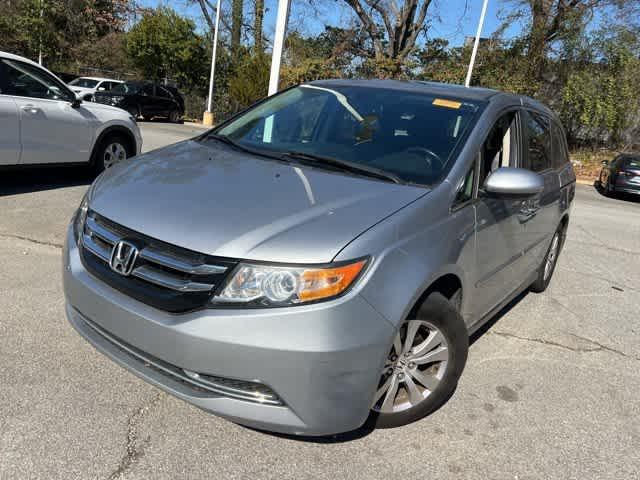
(322, 360)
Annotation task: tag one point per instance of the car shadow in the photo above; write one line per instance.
(36, 179)
(369, 426)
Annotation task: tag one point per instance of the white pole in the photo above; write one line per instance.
(40, 36)
(278, 42)
(467, 82)
(213, 58)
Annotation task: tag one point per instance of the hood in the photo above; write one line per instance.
(80, 90)
(101, 108)
(222, 202)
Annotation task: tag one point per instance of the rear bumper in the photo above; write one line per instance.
(323, 360)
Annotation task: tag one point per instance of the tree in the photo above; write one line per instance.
(258, 17)
(164, 44)
(236, 25)
(393, 31)
(554, 20)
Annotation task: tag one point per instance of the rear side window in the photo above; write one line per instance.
(539, 141)
(558, 147)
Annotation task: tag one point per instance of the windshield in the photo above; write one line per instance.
(123, 88)
(84, 82)
(408, 134)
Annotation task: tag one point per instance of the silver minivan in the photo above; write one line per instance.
(320, 259)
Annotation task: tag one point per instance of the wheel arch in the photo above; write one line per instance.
(448, 285)
(114, 130)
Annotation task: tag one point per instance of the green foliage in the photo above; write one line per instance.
(599, 100)
(165, 44)
(250, 81)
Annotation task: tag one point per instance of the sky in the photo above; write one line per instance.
(457, 18)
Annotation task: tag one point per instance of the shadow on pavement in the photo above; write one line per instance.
(25, 180)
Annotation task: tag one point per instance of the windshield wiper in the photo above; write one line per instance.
(232, 143)
(344, 165)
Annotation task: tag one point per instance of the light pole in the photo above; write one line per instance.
(208, 115)
(467, 82)
(278, 42)
(40, 35)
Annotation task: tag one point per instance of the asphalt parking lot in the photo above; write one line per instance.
(551, 389)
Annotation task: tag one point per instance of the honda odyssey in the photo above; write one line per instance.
(321, 258)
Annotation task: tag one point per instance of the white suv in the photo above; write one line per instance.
(43, 122)
(85, 87)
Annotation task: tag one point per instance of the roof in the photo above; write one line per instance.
(437, 89)
(11, 56)
(101, 79)
(433, 88)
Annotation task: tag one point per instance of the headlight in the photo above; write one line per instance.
(80, 218)
(267, 285)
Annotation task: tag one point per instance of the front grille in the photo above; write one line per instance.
(198, 383)
(163, 276)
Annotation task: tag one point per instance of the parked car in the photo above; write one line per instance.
(42, 121)
(323, 257)
(622, 175)
(85, 87)
(145, 99)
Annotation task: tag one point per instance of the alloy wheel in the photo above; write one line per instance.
(552, 256)
(114, 153)
(414, 368)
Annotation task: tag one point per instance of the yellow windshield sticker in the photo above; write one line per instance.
(441, 102)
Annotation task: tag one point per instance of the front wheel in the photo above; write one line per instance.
(423, 367)
(111, 150)
(545, 272)
(174, 116)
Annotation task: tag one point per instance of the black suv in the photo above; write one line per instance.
(145, 99)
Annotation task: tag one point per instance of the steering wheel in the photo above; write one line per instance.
(430, 156)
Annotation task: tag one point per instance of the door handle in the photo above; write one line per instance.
(30, 109)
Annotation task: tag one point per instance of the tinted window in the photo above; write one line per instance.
(161, 92)
(409, 134)
(122, 88)
(465, 192)
(147, 89)
(25, 80)
(632, 163)
(539, 142)
(84, 82)
(558, 147)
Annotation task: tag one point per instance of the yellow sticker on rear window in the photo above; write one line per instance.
(441, 102)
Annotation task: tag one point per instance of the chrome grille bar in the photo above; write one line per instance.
(164, 279)
(100, 231)
(180, 264)
(93, 246)
(99, 237)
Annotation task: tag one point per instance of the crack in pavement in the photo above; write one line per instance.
(134, 445)
(32, 240)
(598, 346)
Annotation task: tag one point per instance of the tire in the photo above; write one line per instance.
(175, 117)
(111, 149)
(442, 376)
(545, 271)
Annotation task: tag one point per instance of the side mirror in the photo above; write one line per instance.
(605, 162)
(514, 181)
(76, 103)
(101, 89)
